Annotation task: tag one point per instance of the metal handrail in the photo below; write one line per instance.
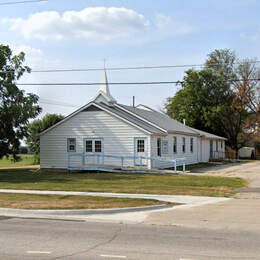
(122, 158)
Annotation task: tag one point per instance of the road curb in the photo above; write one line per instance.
(80, 212)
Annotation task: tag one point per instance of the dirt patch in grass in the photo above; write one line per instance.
(28, 201)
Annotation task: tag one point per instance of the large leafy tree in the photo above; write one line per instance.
(243, 76)
(35, 128)
(249, 88)
(200, 100)
(16, 107)
(210, 99)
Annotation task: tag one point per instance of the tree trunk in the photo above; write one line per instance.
(236, 153)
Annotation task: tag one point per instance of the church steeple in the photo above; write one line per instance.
(103, 94)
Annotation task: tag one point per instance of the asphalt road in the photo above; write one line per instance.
(58, 239)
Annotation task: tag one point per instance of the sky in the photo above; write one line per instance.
(66, 34)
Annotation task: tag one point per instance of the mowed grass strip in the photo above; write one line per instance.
(26, 159)
(121, 183)
(29, 201)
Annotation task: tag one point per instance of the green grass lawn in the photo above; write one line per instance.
(29, 201)
(26, 159)
(121, 183)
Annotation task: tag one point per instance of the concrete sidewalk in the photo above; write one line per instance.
(240, 214)
(190, 200)
(129, 215)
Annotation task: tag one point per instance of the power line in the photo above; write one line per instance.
(120, 68)
(127, 68)
(23, 2)
(95, 83)
(119, 83)
(56, 103)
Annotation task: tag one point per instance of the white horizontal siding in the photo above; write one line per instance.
(201, 149)
(118, 138)
(206, 148)
(191, 157)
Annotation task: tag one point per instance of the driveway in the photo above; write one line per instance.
(249, 171)
(240, 213)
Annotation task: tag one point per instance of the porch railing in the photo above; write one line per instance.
(138, 161)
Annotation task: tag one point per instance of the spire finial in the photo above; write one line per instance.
(103, 94)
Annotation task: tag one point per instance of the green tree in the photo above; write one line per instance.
(209, 99)
(242, 76)
(35, 128)
(223, 60)
(200, 100)
(249, 88)
(16, 107)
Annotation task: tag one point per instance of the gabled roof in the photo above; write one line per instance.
(159, 119)
(207, 135)
(148, 120)
(146, 127)
(142, 117)
(133, 119)
(166, 122)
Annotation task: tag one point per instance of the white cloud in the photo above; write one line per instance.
(90, 23)
(164, 22)
(35, 58)
(252, 37)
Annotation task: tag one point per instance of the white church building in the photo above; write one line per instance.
(105, 133)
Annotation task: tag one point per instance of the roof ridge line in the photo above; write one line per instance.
(140, 117)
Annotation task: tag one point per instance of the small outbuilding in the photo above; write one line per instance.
(108, 133)
(246, 153)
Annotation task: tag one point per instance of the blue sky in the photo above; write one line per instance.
(61, 34)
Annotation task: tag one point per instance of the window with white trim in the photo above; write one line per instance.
(93, 146)
(71, 144)
(221, 144)
(98, 146)
(183, 144)
(175, 144)
(217, 146)
(159, 147)
(164, 146)
(140, 146)
(191, 145)
(89, 146)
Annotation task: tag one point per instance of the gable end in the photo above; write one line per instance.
(91, 108)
